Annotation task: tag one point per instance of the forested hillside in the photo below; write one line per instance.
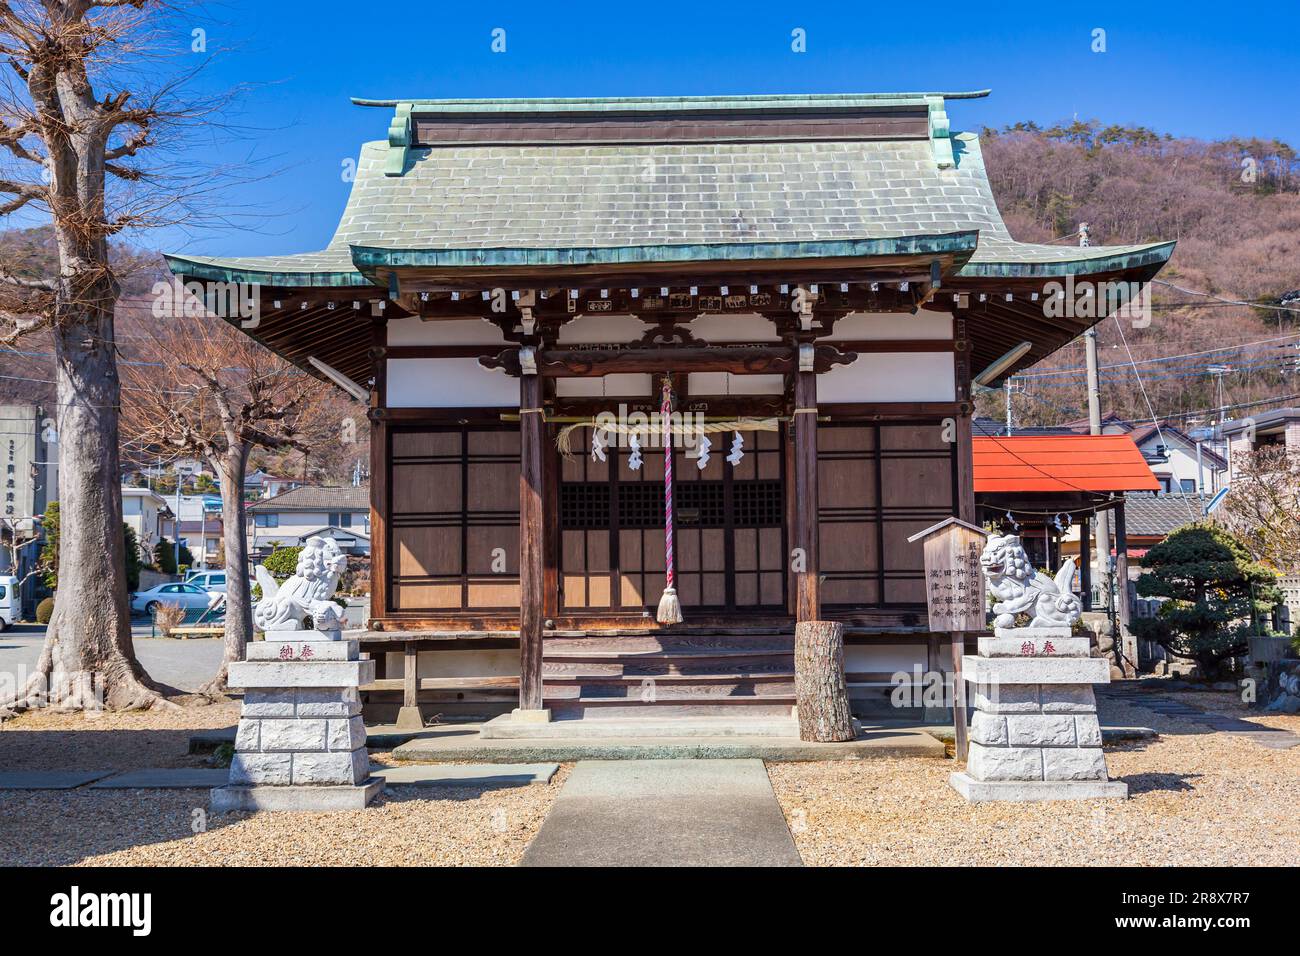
(1233, 206)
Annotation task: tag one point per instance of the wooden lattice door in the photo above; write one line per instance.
(729, 535)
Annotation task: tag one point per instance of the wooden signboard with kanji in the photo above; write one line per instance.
(954, 581)
(954, 591)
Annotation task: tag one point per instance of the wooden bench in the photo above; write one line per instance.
(184, 633)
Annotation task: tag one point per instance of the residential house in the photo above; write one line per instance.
(203, 538)
(261, 484)
(1279, 427)
(149, 515)
(293, 516)
(31, 482)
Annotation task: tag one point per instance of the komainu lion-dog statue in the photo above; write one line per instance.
(1019, 588)
(307, 593)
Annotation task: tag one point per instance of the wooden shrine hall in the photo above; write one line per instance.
(808, 285)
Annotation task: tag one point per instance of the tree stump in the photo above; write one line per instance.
(820, 690)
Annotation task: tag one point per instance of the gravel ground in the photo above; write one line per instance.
(408, 826)
(46, 740)
(1196, 798)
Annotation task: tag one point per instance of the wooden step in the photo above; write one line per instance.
(615, 708)
(661, 667)
(595, 648)
(723, 687)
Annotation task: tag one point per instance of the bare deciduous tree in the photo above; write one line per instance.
(69, 127)
(1263, 508)
(205, 390)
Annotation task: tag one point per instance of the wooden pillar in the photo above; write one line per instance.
(1121, 569)
(410, 717)
(380, 566)
(532, 573)
(807, 581)
(1085, 562)
(966, 511)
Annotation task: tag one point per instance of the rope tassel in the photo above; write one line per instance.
(670, 609)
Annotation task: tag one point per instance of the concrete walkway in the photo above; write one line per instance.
(665, 813)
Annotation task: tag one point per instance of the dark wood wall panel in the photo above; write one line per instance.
(877, 485)
(454, 518)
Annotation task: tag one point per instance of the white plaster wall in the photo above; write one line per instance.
(890, 377)
(724, 383)
(893, 325)
(619, 385)
(448, 383)
(594, 329)
(413, 330)
(748, 327)
(860, 658)
(466, 663)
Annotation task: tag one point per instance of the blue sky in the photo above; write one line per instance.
(1189, 68)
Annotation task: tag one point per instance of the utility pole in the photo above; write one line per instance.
(1006, 385)
(1094, 428)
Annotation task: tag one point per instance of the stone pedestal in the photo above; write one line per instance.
(301, 744)
(1035, 734)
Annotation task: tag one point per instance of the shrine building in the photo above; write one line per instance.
(812, 284)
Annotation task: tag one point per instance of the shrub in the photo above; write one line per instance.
(282, 562)
(168, 616)
(1216, 597)
(45, 611)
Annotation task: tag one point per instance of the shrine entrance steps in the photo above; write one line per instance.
(667, 677)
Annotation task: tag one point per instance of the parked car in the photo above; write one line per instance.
(10, 600)
(188, 596)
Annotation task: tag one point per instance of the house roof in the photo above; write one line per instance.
(1155, 516)
(335, 532)
(315, 498)
(1144, 433)
(1061, 463)
(1261, 420)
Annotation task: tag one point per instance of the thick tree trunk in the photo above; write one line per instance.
(820, 690)
(239, 600)
(88, 660)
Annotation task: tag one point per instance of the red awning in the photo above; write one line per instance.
(1090, 463)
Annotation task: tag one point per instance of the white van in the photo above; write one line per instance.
(208, 580)
(10, 600)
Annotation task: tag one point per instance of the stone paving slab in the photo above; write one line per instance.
(461, 742)
(468, 775)
(166, 778)
(1109, 735)
(665, 813)
(49, 779)
(1274, 738)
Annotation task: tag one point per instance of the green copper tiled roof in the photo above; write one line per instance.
(553, 203)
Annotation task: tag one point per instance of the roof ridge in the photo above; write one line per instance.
(737, 100)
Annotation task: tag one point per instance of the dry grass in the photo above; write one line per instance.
(1196, 798)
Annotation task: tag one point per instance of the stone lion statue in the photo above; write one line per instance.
(1018, 587)
(307, 593)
